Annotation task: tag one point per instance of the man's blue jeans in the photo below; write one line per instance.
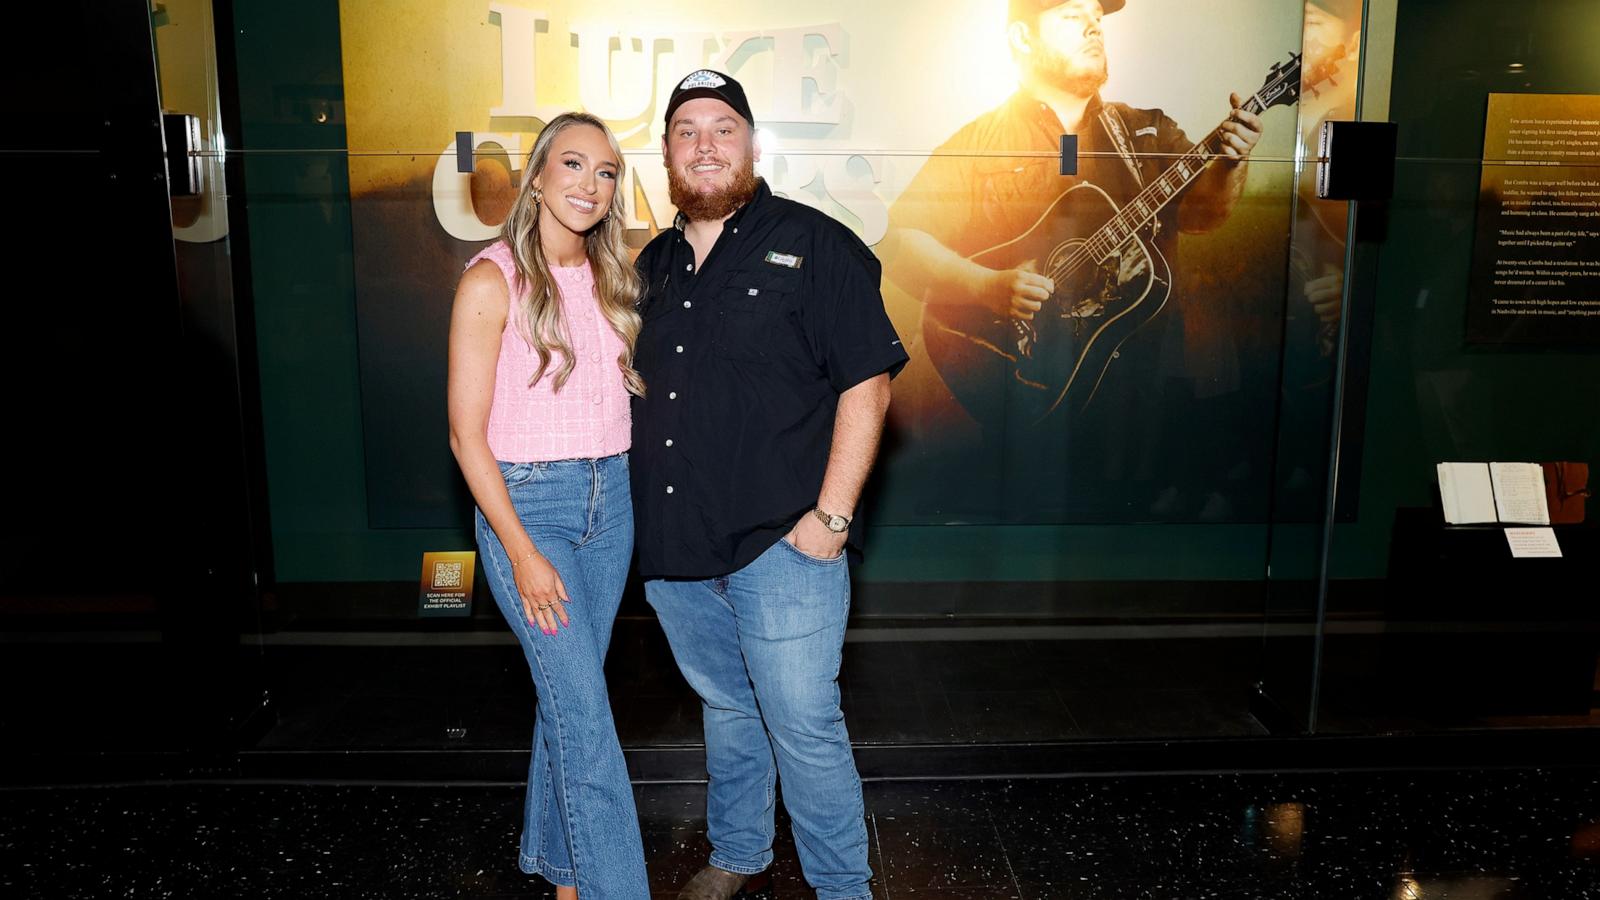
(579, 823)
(761, 647)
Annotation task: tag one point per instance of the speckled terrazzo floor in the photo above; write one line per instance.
(1474, 835)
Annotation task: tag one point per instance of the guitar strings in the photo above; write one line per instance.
(1101, 245)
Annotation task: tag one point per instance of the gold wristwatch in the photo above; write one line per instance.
(836, 524)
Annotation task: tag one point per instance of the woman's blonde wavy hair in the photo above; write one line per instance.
(617, 284)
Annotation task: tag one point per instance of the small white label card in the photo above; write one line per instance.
(1532, 542)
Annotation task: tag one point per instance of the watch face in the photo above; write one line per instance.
(837, 523)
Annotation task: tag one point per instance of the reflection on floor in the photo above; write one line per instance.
(1460, 835)
(894, 691)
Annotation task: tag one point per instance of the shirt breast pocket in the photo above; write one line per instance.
(752, 312)
(658, 331)
(659, 304)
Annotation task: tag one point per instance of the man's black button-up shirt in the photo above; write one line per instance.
(743, 363)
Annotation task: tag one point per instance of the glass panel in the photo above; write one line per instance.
(221, 632)
(1144, 398)
(1072, 517)
(1313, 307)
(1434, 626)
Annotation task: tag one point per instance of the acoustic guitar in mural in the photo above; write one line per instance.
(1110, 279)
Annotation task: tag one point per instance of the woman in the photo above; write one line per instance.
(541, 349)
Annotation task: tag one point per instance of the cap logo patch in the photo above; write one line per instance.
(705, 78)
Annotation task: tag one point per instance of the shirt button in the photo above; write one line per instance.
(672, 395)
(595, 356)
(680, 348)
(669, 488)
(596, 399)
(669, 442)
(689, 267)
(687, 304)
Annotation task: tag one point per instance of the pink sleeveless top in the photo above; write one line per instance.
(589, 417)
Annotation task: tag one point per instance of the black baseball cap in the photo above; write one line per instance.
(1021, 8)
(708, 83)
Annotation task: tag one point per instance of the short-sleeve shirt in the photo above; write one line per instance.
(974, 202)
(743, 362)
(978, 191)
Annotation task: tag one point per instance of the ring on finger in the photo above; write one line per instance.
(546, 606)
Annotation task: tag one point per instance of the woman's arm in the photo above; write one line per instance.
(477, 320)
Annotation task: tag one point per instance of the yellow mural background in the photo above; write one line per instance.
(418, 71)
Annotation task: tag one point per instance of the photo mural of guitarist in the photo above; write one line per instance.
(1045, 298)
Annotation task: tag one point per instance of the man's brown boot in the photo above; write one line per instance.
(712, 883)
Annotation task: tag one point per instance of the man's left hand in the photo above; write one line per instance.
(1241, 132)
(813, 538)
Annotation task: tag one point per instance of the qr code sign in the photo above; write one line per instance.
(447, 574)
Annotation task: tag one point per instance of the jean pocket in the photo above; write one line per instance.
(814, 560)
(516, 474)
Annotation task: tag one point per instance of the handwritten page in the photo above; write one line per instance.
(1519, 492)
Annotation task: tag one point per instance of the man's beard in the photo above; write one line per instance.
(1080, 80)
(716, 205)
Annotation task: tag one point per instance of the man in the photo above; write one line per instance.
(971, 196)
(767, 357)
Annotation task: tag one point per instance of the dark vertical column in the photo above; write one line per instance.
(126, 569)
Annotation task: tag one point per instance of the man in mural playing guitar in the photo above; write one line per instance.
(1033, 283)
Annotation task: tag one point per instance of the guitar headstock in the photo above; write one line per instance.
(1283, 84)
(1320, 68)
